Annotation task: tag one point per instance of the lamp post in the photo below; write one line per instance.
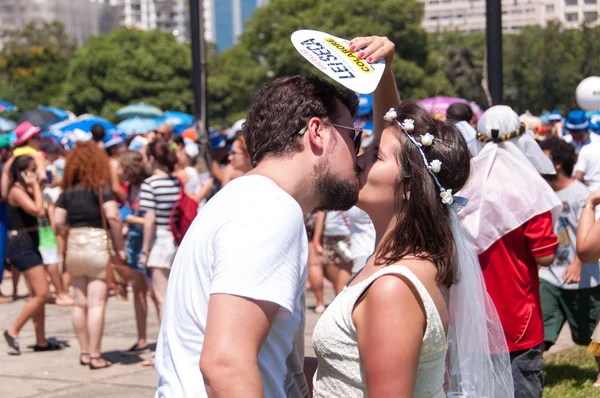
(199, 77)
(494, 49)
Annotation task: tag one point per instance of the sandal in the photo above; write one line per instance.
(81, 361)
(104, 366)
(50, 347)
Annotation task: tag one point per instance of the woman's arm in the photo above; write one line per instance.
(207, 187)
(62, 230)
(20, 198)
(134, 220)
(149, 228)
(390, 325)
(115, 183)
(319, 229)
(588, 232)
(386, 95)
(113, 219)
(5, 179)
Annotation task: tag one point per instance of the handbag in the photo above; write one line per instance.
(118, 274)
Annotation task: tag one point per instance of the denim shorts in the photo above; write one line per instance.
(135, 240)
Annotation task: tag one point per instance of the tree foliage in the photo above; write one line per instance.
(129, 66)
(33, 63)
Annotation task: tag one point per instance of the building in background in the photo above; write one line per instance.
(81, 18)
(224, 20)
(469, 15)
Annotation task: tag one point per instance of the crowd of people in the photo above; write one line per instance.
(457, 249)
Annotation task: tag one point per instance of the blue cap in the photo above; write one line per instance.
(216, 139)
(577, 121)
(555, 116)
(112, 140)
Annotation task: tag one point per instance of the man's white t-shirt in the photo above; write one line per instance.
(588, 162)
(248, 241)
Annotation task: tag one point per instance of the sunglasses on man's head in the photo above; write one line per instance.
(356, 138)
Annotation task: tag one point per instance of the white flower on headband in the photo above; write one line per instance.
(447, 198)
(390, 116)
(427, 139)
(409, 125)
(436, 166)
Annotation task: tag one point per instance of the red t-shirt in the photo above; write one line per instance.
(511, 277)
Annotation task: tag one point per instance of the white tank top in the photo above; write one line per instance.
(340, 372)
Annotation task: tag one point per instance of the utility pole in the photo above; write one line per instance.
(494, 49)
(199, 77)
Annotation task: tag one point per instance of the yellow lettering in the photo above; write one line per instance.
(349, 54)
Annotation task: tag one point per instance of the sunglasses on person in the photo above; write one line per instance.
(356, 137)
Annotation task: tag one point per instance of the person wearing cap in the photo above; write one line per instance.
(218, 148)
(114, 145)
(510, 217)
(578, 132)
(27, 143)
(555, 121)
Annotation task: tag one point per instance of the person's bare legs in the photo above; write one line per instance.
(62, 298)
(66, 280)
(160, 277)
(97, 294)
(40, 293)
(80, 315)
(140, 304)
(315, 275)
(16, 275)
(597, 382)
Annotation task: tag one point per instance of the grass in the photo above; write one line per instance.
(570, 373)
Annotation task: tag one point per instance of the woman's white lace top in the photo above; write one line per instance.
(340, 372)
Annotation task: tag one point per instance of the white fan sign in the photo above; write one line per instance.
(332, 56)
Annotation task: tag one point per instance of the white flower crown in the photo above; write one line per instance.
(408, 127)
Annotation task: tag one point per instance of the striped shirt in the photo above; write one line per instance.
(159, 193)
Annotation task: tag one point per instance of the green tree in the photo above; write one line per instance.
(129, 66)
(33, 63)
(268, 32)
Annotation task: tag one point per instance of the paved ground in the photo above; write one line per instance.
(58, 374)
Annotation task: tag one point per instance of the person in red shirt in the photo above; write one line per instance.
(510, 216)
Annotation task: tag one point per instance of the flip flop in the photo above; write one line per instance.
(107, 364)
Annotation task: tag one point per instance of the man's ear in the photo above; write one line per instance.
(316, 133)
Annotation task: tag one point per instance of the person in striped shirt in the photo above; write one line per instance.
(159, 193)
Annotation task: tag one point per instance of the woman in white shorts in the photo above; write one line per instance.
(159, 193)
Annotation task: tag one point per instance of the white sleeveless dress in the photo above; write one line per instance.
(340, 372)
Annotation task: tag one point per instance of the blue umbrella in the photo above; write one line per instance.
(60, 113)
(7, 124)
(179, 120)
(82, 126)
(139, 110)
(365, 104)
(7, 106)
(138, 125)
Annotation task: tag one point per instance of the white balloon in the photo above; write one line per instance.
(588, 93)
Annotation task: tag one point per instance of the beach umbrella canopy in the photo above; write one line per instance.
(139, 110)
(7, 107)
(138, 125)
(179, 120)
(440, 104)
(80, 127)
(7, 124)
(365, 104)
(38, 117)
(62, 114)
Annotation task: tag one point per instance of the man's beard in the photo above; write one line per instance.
(333, 192)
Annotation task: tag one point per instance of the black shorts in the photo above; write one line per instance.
(22, 249)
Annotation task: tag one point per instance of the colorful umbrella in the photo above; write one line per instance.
(7, 107)
(440, 104)
(7, 124)
(38, 117)
(179, 120)
(80, 127)
(139, 110)
(138, 125)
(61, 113)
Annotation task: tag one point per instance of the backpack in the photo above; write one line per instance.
(182, 215)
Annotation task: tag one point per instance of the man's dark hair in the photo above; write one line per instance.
(98, 132)
(283, 107)
(562, 153)
(459, 112)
